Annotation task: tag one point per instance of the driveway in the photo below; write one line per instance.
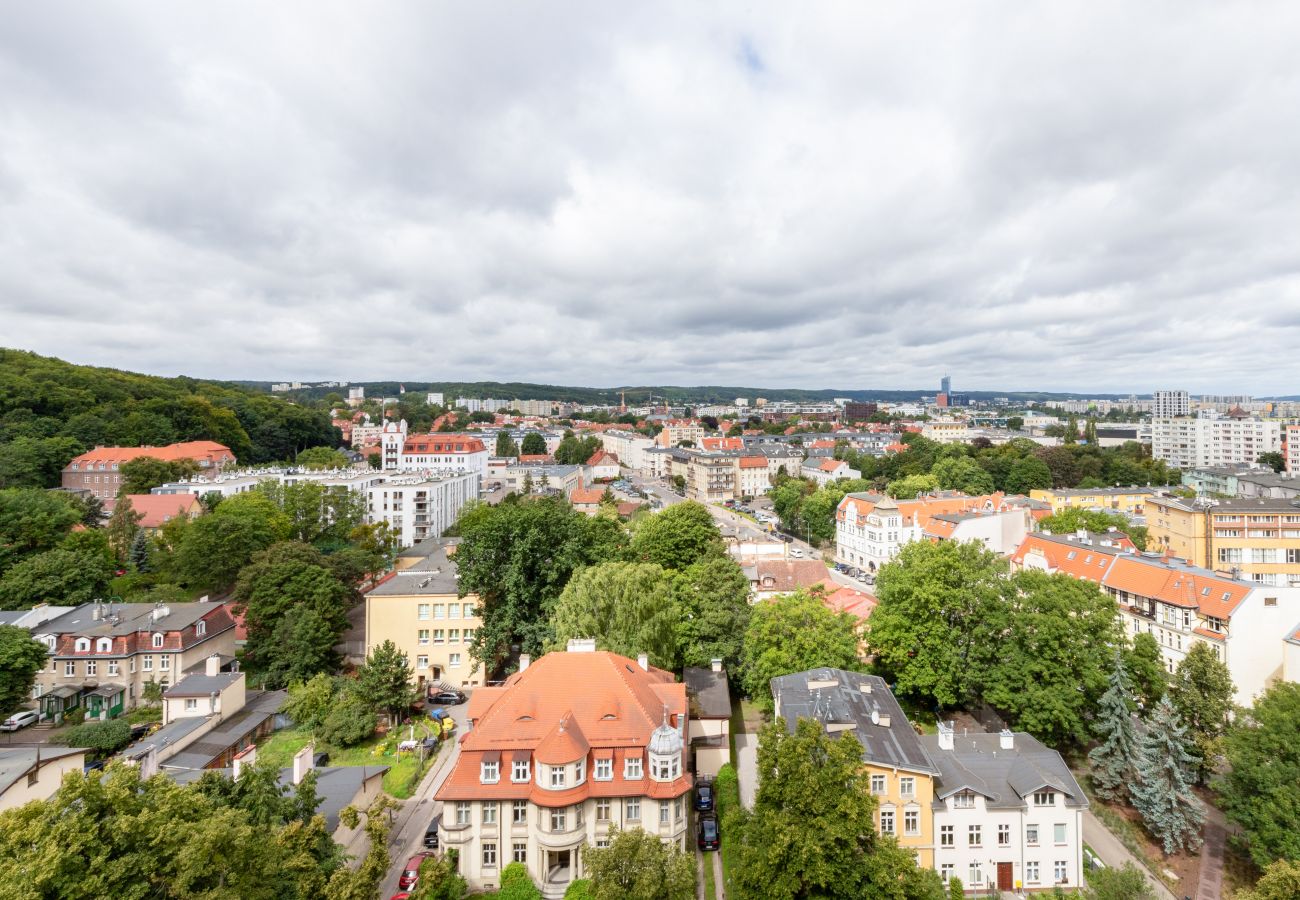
(747, 768)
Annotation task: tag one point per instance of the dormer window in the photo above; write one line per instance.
(490, 771)
(81, 645)
(519, 770)
(632, 768)
(157, 639)
(104, 645)
(1044, 798)
(963, 800)
(201, 628)
(604, 770)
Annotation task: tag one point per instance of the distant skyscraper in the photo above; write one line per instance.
(945, 384)
(1171, 403)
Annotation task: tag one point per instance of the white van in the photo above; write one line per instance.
(19, 720)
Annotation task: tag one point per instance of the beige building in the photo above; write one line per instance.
(1256, 538)
(419, 610)
(709, 727)
(211, 692)
(35, 773)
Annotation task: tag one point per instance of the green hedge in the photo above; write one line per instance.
(731, 816)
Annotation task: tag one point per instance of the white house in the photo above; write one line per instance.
(1008, 814)
(435, 451)
(824, 471)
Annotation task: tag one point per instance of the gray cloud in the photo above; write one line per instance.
(1074, 196)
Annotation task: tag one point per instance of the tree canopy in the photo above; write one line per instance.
(791, 633)
(21, 658)
(627, 607)
(677, 537)
(1261, 791)
(713, 605)
(639, 866)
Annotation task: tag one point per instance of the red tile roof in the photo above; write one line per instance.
(443, 443)
(534, 457)
(581, 496)
(787, 575)
(841, 598)
(601, 458)
(200, 451)
(1058, 553)
(753, 462)
(157, 509)
(723, 443)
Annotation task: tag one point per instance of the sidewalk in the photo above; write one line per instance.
(1114, 854)
(1210, 884)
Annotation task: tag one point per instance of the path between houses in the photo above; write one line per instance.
(1210, 885)
(1115, 854)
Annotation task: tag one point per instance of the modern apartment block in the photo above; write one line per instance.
(419, 609)
(1211, 439)
(417, 507)
(436, 451)
(1167, 404)
(1257, 538)
(1292, 446)
(567, 749)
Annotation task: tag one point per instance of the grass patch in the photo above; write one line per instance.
(142, 714)
(404, 770)
(731, 818)
(710, 892)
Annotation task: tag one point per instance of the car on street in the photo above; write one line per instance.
(796, 553)
(704, 797)
(431, 833)
(447, 698)
(411, 871)
(20, 720)
(707, 834)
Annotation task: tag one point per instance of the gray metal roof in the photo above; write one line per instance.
(707, 692)
(1005, 778)
(131, 617)
(337, 786)
(202, 685)
(434, 575)
(164, 737)
(860, 704)
(15, 762)
(201, 753)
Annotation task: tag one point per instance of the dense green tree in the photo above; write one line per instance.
(1028, 474)
(32, 521)
(36, 462)
(713, 601)
(627, 607)
(316, 513)
(384, 681)
(322, 458)
(812, 831)
(1202, 691)
(1127, 883)
(1261, 792)
(911, 486)
(506, 446)
(517, 557)
(20, 659)
(1113, 758)
(1280, 881)
(533, 444)
(104, 737)
(144, 473)
(1145, 665)
(123, 526)
(439, 880)
(678, 537)
(516, 884)
(639, 866)
(58, 577)
(1015, 423)
(139, 555)
(1273, 460)
(310, 701)
(1068, 521)
(575, 451)
(938, 604)
(302, 644)
(1162, 790)
(116, 835)
(350, 720)
(962, 474)
(1053, 654)
(791, 633)
(213, 548)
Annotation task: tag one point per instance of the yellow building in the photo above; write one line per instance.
(1178, 527)
(1128, 500)
(418, 609)
(900, 771)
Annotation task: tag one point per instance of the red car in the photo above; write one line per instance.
(400, 895)
(411, 871)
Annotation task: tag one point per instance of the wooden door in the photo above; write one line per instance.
(1004, 876)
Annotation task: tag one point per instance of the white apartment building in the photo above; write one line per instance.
(629, 446)
(1293, 449)
(1170, 404)
(435, 451)
(421, 506)
(1213, 440)
(1008, 813)
(871, 529)
(435, 398)
(567, 749)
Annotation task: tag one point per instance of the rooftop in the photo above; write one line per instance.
(337, 786)
(434, 575)
(15, 762)
(200, 685)
(708, 693)
(207, 749)
(130, 618)
(979, 763)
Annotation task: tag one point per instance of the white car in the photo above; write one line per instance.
(20, 720)
(796, 553)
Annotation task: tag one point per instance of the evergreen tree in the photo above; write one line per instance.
(1162, 791)
(1112, 760)
(139, 555)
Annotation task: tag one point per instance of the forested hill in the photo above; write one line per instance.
(51, 410)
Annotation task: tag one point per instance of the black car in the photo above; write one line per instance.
(449, 698)
(704, 797)
(431, 833)
(707, 833)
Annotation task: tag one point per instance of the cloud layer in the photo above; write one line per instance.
(1091, 196)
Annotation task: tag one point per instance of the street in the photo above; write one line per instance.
(411, 821)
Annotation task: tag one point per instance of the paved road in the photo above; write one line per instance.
(747, 768)
(410, 822)
(1114, 854)
(1210, 883)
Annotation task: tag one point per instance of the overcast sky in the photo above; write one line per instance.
(1073, 197)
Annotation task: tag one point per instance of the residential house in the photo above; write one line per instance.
(602, 466)
(99, 471)
(566, 750)
(441, 451)
(211, 737)
(586, 500)
(753, 476)
(676, 431)
(900, 772)
(1130, 501)
(35, 772)
(419, 609)
(1258, 538)
(1008, 813)
(156, 510)
(857, 603)
(769, 577)
(708, 694)
(103, 654)
(825, 470)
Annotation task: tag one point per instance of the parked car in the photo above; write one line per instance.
(796, 553)
(140, 730)
(411, 871)
(704, 797)
(450, 698)
(20, 720)
(707, 833)
(431, 833)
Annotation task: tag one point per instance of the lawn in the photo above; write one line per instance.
(710, 892)
(380, 750)
(143, 714)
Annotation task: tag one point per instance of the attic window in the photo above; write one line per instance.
(1070, 555)
(1205, 592)
(608, 717)
(1226, 595)
(524, 718)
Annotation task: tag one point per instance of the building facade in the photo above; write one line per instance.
(436, 451)
(419, 507)
(1211, 439)
(1257, 539)
(1168, 404)
(99, 471)
(567, 749)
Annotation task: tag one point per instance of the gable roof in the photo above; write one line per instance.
(979, 763)
(200, 451)
(156, 510)
(787, 574)
(581, 496)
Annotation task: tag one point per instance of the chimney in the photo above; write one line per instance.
(242, 760)
(716, 665)
(643, 660)
(524, 661)
(212, 665)
(1006, 740)
(945, 736)
(302, 763)
(581, 645)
